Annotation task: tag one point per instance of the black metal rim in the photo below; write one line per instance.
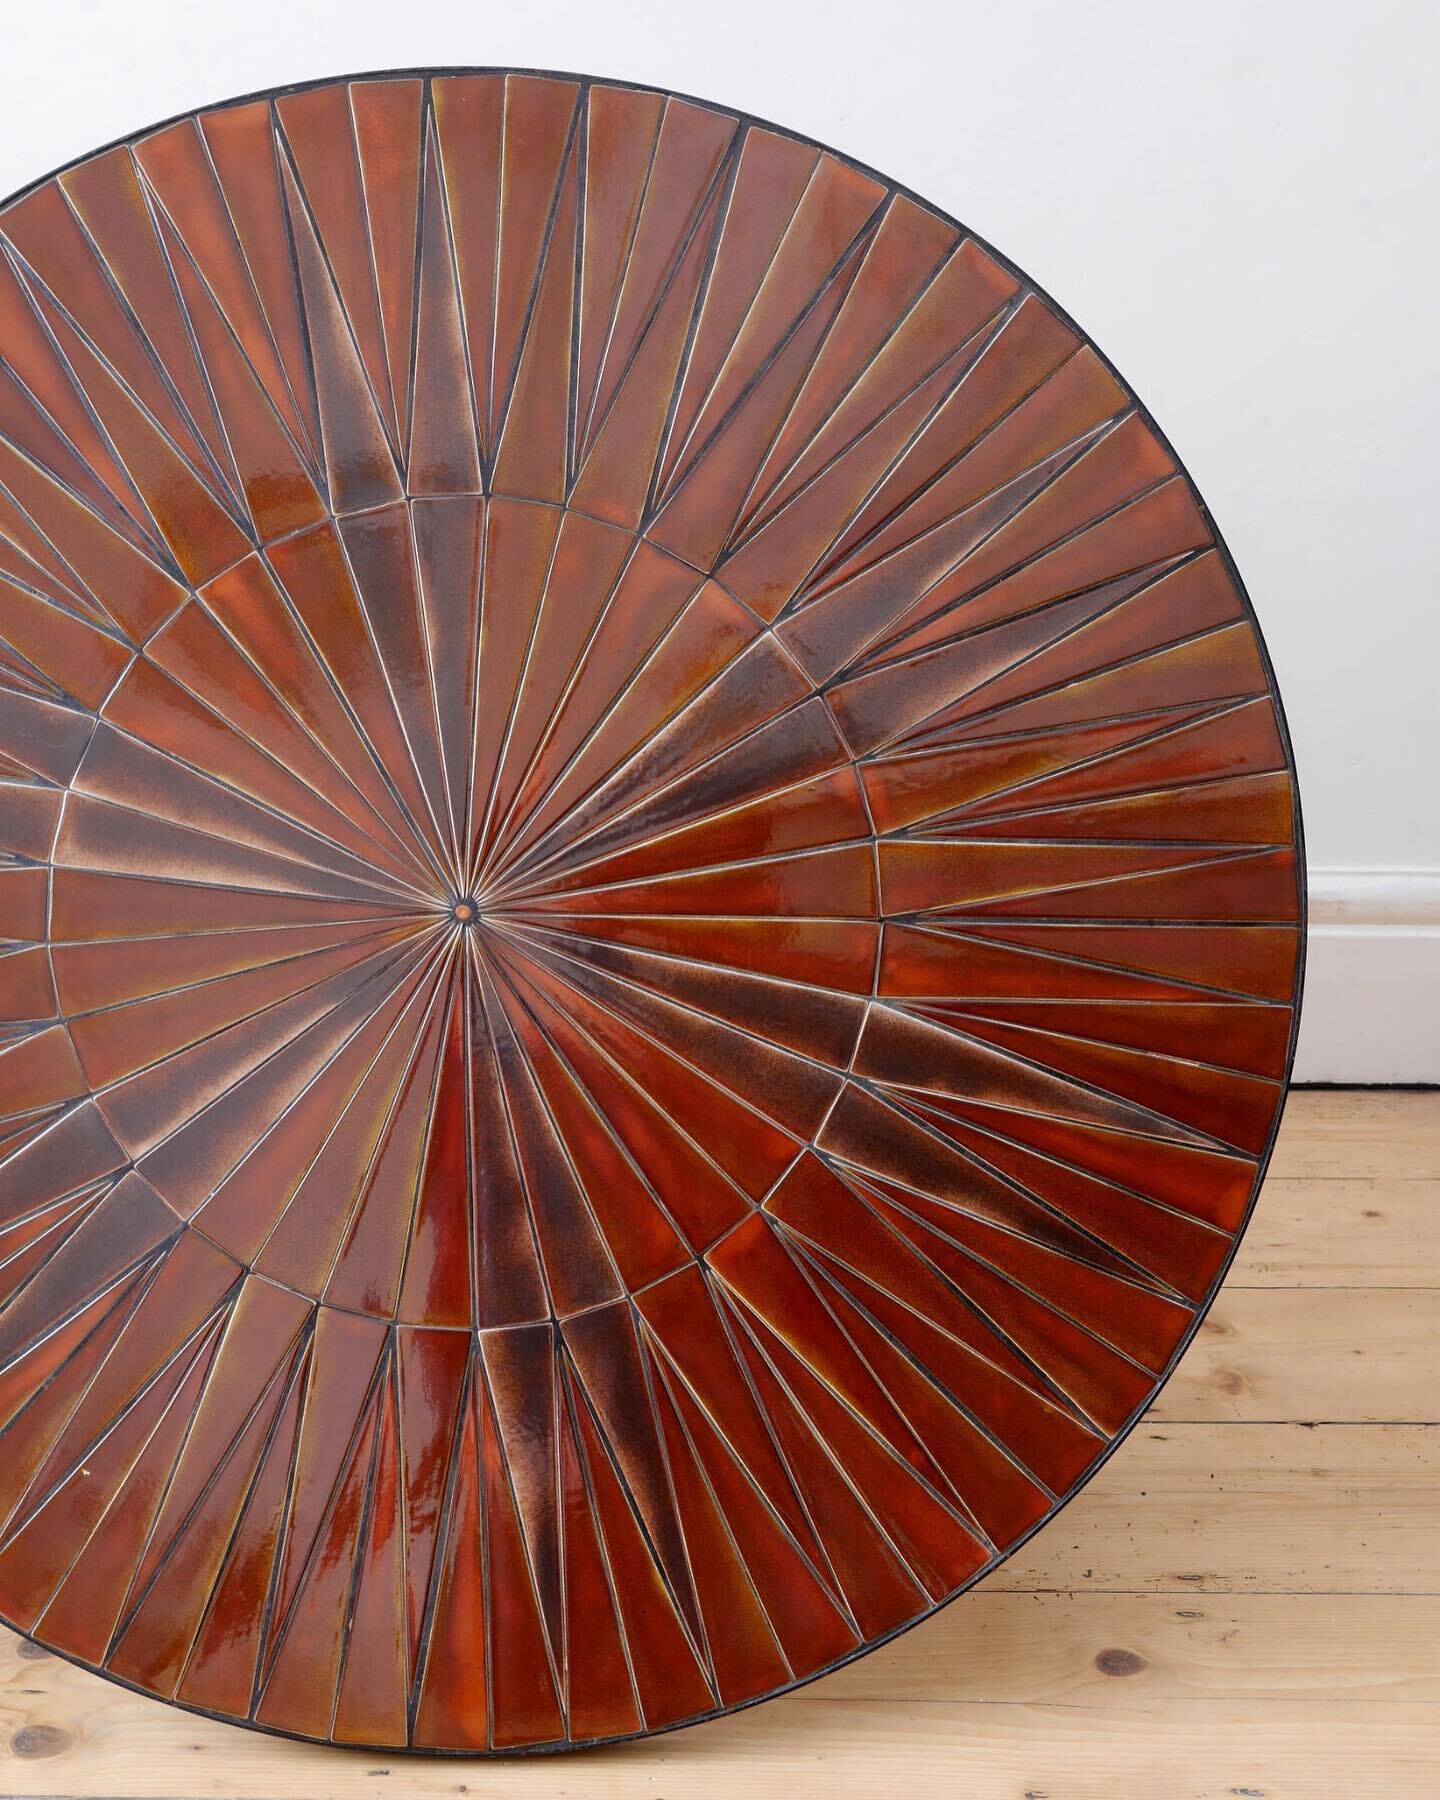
(562, 1745)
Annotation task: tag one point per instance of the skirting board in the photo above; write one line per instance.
(1372, 980)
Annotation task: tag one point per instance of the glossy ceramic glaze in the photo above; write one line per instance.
(652, 909)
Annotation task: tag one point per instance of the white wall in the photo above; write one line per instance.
(1238, 200)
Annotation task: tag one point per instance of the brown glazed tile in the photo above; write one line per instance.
(650, 907)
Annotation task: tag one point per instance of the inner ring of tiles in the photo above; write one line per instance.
(648, 911)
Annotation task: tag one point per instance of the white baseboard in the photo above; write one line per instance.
(1372, 979)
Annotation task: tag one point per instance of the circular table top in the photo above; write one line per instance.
(651, 908)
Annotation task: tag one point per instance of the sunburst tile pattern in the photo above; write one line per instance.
(650, 910)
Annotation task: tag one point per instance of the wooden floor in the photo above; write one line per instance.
(1245, 1602)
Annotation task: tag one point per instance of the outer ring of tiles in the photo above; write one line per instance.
(790, 1551)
